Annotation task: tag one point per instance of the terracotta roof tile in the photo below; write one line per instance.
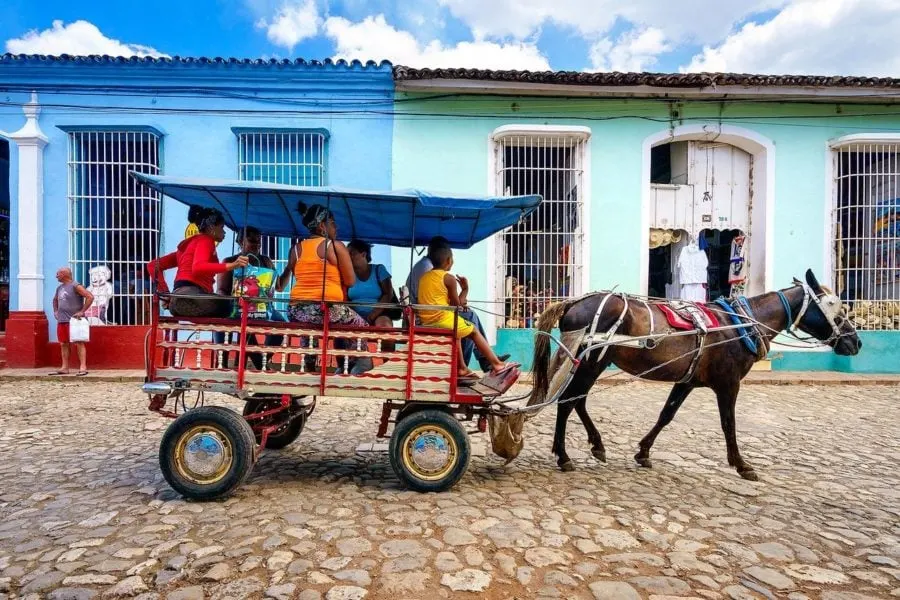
(188, 61)
(666, 80)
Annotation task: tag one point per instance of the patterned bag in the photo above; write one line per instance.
(253, 281)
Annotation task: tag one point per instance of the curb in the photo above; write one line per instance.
(71, 378)
(752, 379)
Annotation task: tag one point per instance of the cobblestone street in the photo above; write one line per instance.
(84, 510)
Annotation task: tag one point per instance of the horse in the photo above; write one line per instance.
(718, 360)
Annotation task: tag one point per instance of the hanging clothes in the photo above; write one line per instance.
(737, 271)
(692, 273)
(673, 287)
(737, 266)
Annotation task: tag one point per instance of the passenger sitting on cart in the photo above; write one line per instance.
(373, 286)
(412, 283)
(249, 240)
(197, 264)
(439, 288)
(322, 270)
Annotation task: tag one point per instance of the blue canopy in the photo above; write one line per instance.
(398, 218)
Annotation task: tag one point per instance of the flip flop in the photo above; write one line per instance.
(81, 373)
(58, 373)
(468, 377)
(505, 368)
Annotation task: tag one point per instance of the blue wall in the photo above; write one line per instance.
(195, 105)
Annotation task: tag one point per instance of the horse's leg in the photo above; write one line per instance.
(676, 398)
(563, 410)
(593, 434)
(727, 398)
(573, 396)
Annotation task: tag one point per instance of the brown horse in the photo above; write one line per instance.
(721, 365)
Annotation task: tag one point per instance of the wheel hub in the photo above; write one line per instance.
(203, 455)
(430, 452)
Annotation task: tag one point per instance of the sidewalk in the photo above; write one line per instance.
(753, 378)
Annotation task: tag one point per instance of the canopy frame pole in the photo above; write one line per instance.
(412, 241)
(242, 232)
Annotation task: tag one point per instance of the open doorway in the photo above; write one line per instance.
(4, 233)
(712, 176)
(702, 269)
(700, 204)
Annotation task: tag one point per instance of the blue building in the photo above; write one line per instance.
(71, 128)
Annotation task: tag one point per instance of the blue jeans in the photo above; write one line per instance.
(468, 346)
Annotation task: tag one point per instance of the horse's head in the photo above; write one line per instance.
(824, 318)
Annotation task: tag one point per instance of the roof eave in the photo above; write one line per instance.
(879, 95)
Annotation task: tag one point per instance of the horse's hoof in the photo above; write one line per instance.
(643, 461)
(749, 475)
(567, 467)
(599, 454)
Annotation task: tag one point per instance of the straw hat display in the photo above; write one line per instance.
(664, 237)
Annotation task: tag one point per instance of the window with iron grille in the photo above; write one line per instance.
(114, 221)
(291, 158)
(866, 223)
(540, 258)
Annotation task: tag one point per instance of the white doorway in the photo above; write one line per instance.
(714, 184)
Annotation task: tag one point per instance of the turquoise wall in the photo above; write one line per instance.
(442, 143)
(880, 354)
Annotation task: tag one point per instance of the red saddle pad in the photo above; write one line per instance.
(678, 320)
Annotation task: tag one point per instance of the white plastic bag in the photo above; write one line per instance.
(79, 330)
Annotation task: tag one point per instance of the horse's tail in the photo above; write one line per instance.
(541, 363)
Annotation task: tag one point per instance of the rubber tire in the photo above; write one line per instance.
(286, 437)
(233, 427)
(451, 426)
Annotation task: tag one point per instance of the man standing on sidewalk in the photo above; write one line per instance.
(70, 302)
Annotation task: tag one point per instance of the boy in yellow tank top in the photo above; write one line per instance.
(439, 288)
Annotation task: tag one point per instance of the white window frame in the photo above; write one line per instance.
(834, 147)
(489, 320)
(81, 260)
(321, 144)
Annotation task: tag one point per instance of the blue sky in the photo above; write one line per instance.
(774, 36)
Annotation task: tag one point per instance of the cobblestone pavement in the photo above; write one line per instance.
(84, 511)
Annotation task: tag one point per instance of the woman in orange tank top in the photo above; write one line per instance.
(322, 271)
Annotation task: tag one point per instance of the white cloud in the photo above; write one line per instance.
(633, 51)
(374, 39)
(697, 20)
(79, 38)
(293, 23)
(828, 37)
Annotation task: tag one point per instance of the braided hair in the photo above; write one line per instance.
(313, 216)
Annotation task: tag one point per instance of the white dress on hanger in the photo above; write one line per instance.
(673, 290)
(692, 273)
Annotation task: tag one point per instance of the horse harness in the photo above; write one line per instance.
(604, 339)
(810, 295)
(738, 311)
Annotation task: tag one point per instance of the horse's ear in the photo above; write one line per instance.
(797, 281)
(812, 281)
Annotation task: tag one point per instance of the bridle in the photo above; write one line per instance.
(810, 297)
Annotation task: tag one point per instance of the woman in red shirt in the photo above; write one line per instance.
(197, 264)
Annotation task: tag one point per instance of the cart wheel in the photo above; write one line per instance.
(207, 452)
(429, 450)
(285, 435)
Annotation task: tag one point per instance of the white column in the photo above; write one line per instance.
(30, 212)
